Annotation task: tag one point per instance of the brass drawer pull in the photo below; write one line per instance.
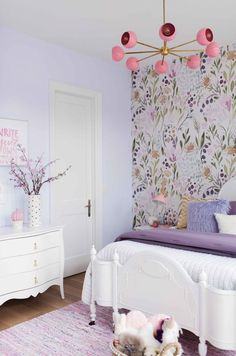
(35, 263)
(36, 280)
(35, 246)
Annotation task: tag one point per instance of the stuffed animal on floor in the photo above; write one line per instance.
(141, 336)
(130, 343)
(165, 331)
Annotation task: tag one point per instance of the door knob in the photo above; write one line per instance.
(89, 207)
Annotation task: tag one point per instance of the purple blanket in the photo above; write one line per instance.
(213, 243)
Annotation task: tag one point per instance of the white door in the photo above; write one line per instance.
(73, 196)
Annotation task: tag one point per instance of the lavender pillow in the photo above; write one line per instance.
(232, 210)
(201, 215)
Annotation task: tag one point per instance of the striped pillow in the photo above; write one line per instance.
(183, 215)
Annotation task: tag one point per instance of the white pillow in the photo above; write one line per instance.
(226, 223)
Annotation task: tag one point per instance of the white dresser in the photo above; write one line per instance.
(31, 260)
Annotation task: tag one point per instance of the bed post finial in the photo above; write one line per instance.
(116, 256)
(93, 252)
(203, 277)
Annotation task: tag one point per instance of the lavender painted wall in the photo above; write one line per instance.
(26, 67)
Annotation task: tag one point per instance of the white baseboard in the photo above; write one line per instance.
(76, 264)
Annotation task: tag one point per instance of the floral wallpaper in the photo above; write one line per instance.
(184, 134)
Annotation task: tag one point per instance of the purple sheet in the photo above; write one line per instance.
(213, 243)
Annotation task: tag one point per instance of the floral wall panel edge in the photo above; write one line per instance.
(184, 133)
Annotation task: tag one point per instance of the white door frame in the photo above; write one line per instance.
(97, 188)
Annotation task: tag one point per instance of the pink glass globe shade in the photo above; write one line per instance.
(167, 32)
(132, 63)
(213, 50)
(117, 53)
(193, 62)
(204, 36)
(129, 39)
(161, 67)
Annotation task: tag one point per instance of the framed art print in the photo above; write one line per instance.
(12, 133)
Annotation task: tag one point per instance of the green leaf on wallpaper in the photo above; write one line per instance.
(202, 139)
(181, 144)
(232, 85)
(188, 138)
(225, 75)
(226, 169)
(133, 145)
(196, 140)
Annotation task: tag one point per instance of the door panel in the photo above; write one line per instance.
(73, 132)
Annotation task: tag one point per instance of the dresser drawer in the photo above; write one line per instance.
(21, 281)
(29, 262)
(25, 245)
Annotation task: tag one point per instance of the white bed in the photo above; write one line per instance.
(198, 289)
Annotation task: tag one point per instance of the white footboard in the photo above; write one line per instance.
(153, 283)
(220, 319)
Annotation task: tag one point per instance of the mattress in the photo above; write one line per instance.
(221, 271)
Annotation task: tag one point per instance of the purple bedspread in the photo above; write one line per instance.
(213, 243)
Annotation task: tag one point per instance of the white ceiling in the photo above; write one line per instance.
(94, 27)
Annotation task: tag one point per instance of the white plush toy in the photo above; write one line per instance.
(170, 334)
(150, 343)
(119, 321)
(134, 331)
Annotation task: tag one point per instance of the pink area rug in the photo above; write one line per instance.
(65, 332)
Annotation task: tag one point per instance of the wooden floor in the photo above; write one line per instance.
(18, 310)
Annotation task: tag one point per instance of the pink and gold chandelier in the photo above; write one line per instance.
(167, 33)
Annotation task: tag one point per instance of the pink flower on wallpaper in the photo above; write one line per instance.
(174, 68)
(150, 113)
(228, 104)
(145, 197)
(215, 112)
(172, 158)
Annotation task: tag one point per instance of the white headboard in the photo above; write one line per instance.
(228, 191)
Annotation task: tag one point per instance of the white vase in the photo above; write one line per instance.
(34, 210)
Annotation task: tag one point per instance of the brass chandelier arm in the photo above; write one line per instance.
(186, 50)
(147, 45)
(177, 55)
(152, 55)
(182, 44)
(139, 52)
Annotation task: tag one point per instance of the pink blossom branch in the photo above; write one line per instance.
(35, 174)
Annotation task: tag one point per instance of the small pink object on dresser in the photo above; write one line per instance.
(17, 219)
